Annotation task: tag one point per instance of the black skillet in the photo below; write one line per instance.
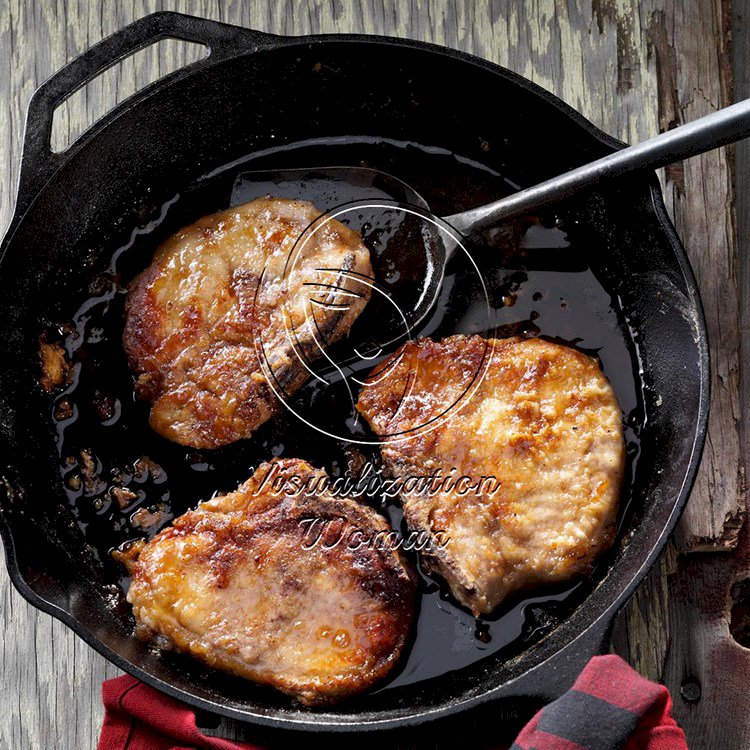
(363, 99)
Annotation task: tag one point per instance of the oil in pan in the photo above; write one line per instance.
(125, 482)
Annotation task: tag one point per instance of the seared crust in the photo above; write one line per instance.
(242, 584)
(210, 323)
(539, 417)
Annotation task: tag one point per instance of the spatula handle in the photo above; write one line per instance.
(717, 129)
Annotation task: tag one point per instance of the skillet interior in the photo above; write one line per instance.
(333, 87)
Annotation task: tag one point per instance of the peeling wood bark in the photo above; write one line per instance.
(633, 68)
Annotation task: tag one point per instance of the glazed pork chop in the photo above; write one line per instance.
(538, 417)
(222, 324)
(278, 586)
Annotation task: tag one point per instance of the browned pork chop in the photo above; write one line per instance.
(210, 324)
(539, 417)
(247, 584)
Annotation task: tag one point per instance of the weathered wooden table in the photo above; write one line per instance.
(633, 68)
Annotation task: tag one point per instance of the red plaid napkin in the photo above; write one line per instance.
(137, 717)
(610, 707)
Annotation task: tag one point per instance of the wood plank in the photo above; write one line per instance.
(700, 195)
(708, 671)
(687, 599)
(632, 68)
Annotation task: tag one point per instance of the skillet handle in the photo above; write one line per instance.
(38, 161)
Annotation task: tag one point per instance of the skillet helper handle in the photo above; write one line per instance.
(704, 134)
(38, 161)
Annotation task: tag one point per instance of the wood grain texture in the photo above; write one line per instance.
(633, 68)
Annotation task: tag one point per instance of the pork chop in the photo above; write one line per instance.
(538, 417)
(221, 326)
(283, 587)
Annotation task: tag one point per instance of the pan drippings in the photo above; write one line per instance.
(125, 482)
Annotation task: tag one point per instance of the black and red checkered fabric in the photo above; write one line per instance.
(610, 707)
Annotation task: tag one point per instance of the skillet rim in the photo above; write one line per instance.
(320, 721)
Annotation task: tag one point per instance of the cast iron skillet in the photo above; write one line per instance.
(254, 91)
